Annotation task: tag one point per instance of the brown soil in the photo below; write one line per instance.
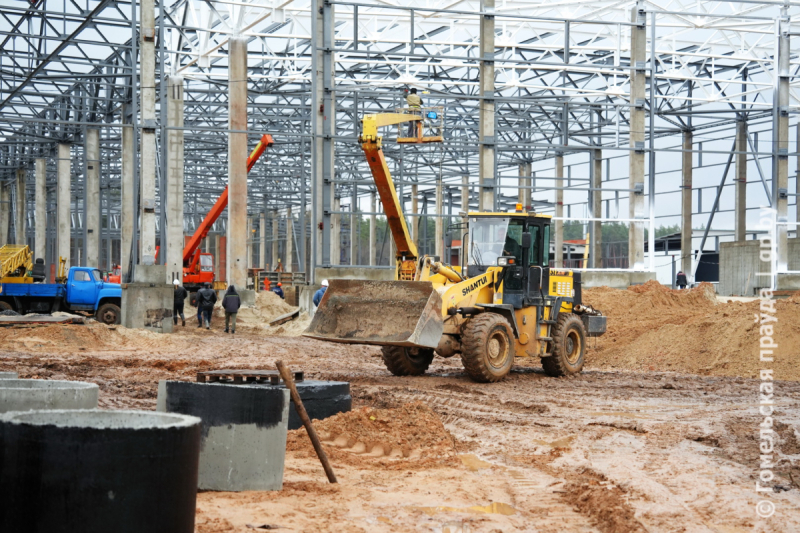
(651, 327)
(654, 435)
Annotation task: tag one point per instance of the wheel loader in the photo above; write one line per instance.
(503, 301)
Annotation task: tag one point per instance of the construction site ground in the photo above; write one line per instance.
(659, 433)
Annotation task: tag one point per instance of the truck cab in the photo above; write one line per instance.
(84, 291)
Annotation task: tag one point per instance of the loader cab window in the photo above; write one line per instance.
(487, 239)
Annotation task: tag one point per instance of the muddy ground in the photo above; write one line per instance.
(609, 450)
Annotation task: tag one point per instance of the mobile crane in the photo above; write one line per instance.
(198, 267)
(505, 302)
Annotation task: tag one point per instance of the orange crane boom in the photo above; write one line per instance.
(191, 252)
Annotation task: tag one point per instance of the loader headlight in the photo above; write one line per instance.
(506, 261)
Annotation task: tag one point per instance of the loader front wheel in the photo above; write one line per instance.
(569, 344)
(403, 361)
(487, 350)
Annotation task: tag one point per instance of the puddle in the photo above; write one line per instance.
(492, 508)
(473, 463)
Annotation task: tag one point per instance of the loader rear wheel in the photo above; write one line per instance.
(403, 361)
(487, 350)
(569, 344)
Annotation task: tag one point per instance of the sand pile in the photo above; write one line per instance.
(651, 327)
(268, 307)
(412, 432)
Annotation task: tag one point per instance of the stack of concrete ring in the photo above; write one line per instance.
(67, 466)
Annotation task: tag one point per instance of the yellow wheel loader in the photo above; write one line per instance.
(503, 302)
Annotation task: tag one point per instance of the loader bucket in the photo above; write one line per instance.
(397, 313)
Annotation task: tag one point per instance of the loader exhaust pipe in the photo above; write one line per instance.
(385, 313)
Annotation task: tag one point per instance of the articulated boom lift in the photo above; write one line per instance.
(198, 267)
(504, 302)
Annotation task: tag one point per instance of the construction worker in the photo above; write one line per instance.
(414, 103)
(267, 284)
(320, 293)
(277, 290)
(180, 295)
(206, 298)
(680, 280)
(279, 268)
(231, 304)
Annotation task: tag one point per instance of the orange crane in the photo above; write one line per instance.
(198, 267)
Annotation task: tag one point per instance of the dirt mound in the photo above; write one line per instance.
(652, 327)
(268, 307)
(412, 433)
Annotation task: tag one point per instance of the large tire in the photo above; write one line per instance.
(109, 314)
(569, 345)
(487, 348)
(402, 361)
(5, 306)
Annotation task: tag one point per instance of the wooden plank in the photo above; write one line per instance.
(291, 315)
(15, 320)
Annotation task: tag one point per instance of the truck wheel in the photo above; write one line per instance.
(487, 350)
(108, 314)
(569, 344)
(5, 306)
(403, 361)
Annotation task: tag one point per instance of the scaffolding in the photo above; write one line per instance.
(601, 113)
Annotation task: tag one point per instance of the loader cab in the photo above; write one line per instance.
(525, 237)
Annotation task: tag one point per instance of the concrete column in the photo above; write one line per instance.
(63, 222)
(92, 245)
(558, 225)
(782, 164)
(486, 110)
(439, 222)
(237, 162)
(147, 152)
(128, 196)
(596, 227)
(21, 208)
(740, 183)
(464, 220)
(288, 260)
(336, 233)
(373, 219)
(250, 242)
(217, 254)
(275, 235)
(262, 241)
(175, 175)
(525, 183)
(5, 212)
(636, 157)
(40, 213)
(687, 159)
(797, 186)
(415, 211)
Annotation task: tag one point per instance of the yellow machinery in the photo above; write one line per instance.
(16, 263)
(503, 302)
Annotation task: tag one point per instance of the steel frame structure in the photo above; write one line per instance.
(563, 74)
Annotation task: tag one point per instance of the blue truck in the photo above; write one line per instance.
(84, 291)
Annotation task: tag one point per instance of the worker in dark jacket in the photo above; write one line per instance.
(320, 293)
(206, 298)
(680, 280)
(277, 290)
(177, 304)
(231, 304)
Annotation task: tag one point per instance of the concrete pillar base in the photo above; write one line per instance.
(147, 303)
(29, 394)
(8, 375)
(243, 440)
(246, 296)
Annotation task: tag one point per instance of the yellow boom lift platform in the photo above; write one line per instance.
(16, 263)
(504, 302)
